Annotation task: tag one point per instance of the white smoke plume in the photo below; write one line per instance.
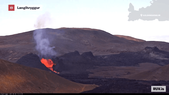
(43, 21)
(41, 38)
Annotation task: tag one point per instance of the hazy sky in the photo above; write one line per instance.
(107, 15)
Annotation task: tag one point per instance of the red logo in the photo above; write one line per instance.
(11, 7)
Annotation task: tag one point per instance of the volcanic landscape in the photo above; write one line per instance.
(81, 60)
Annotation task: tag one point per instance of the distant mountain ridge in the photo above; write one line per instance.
(67, 40)
(130, 38)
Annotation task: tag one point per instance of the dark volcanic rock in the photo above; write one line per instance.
(76, 67)
(151, 49)
(72, 54)
(88, 55)
(154, 52)
(120, 85)
(32, 60)
(156, 56)
(149, 54)
(74, 63)
(125, 59)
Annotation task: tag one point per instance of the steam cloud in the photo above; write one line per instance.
(41, 38)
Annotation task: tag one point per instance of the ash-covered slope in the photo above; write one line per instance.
(160, 73)
(15, 78)
(67, 40)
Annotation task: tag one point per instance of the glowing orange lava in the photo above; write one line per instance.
(49, 64)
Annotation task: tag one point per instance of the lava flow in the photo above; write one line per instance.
(49, 64)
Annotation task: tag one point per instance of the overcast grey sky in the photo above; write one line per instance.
(107, 15)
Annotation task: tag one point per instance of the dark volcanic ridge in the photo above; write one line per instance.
(130, 38)
(73, 62)
(75, 65)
